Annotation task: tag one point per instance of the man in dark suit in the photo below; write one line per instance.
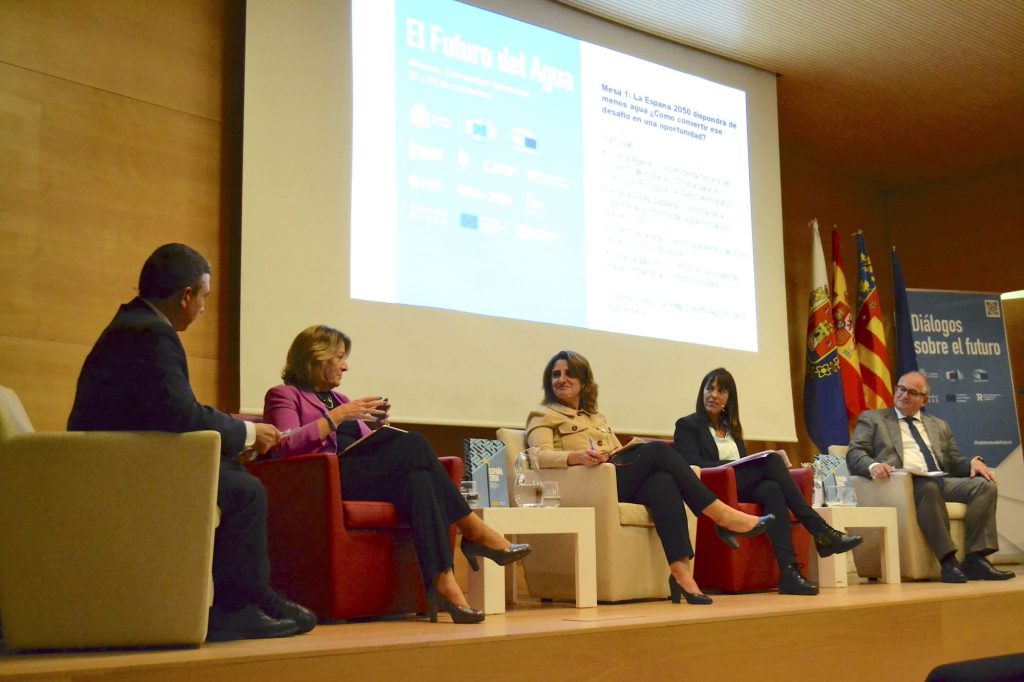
(136, 379)
(906, 438)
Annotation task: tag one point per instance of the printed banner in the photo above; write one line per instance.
(960, 342)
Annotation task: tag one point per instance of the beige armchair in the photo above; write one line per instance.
(630, 561)
(106, 539)
(917, 561)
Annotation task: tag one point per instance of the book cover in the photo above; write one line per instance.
(485, 460)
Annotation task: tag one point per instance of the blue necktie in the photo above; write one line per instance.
(925, 452)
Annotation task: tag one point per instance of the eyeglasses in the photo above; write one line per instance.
(909, 391)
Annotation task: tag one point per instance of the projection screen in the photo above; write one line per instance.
(466, 192)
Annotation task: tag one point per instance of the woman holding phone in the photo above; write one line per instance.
(401, 468)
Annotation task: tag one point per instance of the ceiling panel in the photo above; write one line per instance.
(894, 91)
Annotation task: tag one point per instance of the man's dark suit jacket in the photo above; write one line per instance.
(695, 443)
(136, 379)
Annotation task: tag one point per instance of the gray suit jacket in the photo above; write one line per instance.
(877, 438)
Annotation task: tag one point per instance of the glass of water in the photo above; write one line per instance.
(550, 497)
(529, 494)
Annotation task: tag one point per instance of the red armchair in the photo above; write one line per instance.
(343, 559)
(752, 567)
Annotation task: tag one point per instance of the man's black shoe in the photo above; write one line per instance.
(276, 606)
(829, 541)
(249, 622)
(978, 568)
(792, 581)
(951, 572)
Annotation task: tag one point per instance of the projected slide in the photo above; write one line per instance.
(502, 169)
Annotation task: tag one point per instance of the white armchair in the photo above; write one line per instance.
(630, 560)
(106, 539)
(917, 561)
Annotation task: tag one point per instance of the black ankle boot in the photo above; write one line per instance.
(792, 581)
(829, 541)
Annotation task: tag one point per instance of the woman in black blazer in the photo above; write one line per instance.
(713, 436)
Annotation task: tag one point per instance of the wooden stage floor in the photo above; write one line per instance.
(869, 631)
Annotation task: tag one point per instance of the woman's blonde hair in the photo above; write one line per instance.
(309, 352)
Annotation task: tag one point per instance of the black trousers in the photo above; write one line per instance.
(767, 482)
(655, 476)
(241, 569)
(406, 472)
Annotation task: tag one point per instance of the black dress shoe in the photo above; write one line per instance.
(276, 606)
(502, 557)
(729, 536)
(829, 541)
(951, 572)
(249, 622)
(792, 581)
(978, 568)
(459, 614)
(676, 593)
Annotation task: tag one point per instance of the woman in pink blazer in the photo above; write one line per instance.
(401, 469)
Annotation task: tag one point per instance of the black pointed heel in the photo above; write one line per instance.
(459, 614)
(676, 592)
(729, 537)
(502, 557)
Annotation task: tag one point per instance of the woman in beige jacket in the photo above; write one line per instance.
(568, 430)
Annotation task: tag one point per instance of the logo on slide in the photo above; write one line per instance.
(524, 140)
(419, 116)
(481, 130)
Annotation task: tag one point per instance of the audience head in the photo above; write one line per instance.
(176, 280)
(578, 368)
(717, 394)
(316, 358)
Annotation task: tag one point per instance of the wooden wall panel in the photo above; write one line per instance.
(1013, 314)
(813, 190)
(94, 177)
(167, 53)
(965, 233)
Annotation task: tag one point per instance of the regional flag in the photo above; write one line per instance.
(842, 316)
(824, 410)
(875, 374)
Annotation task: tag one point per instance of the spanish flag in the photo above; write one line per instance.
(842, 315)
(875, 374)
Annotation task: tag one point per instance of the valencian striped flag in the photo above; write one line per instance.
(875, 374)
(824, 410)
(842, 315)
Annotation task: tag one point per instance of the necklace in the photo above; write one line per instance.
(326, 398)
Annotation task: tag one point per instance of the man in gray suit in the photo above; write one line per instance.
(906, 438)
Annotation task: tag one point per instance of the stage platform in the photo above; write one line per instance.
(869, 631)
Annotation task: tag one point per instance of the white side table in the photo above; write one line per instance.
(487, 586)
(832, 570)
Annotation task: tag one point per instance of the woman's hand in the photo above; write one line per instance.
(785, 458)
(363, 408)
(588, 458)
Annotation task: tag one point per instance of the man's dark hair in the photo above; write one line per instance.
(170, 269)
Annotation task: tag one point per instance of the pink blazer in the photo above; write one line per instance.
(288, 407)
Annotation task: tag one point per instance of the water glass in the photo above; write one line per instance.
(840, 496)
(550, 497)
(528, 494)
(470, 494)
